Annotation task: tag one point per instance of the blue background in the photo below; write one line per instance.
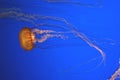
(57, 59)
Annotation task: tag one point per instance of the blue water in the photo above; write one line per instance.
(57, 59)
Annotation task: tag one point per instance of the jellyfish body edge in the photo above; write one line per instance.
(25, 38)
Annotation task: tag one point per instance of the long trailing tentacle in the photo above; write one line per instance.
(97, 4)
(37, 31)
(50, 25)
(10, 9)
(116, 74)
(46, 36)
(77, 33)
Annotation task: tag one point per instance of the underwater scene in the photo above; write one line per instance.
(59, 40)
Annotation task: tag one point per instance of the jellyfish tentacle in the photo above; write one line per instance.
(47, 34)
(21, 15)
(17, 15)
(84, 38)
(37, 31)
(77, 33)
(116, 74)
(50, 25)
(98, 4)
(10, 9)
(45, 37)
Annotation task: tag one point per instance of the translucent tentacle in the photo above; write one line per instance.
(116, 74)
(98, 4)
(37, 31)
(45, 37)
(51, 25)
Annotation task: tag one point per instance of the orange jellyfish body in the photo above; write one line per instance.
(26, 39)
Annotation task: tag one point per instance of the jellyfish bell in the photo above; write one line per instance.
(26, 38)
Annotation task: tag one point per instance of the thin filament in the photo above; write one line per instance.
(98, 4)
(116, 74)
(46, 36)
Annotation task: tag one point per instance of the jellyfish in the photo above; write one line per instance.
(33, 19)
(99, 3)
(27, 37)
